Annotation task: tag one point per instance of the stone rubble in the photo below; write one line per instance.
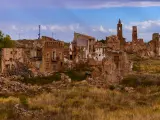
(11, 87)
(65, 78)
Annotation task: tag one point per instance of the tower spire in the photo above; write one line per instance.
(119, 21)
(39, 34)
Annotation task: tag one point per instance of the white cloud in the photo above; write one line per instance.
(57, 28)
(112, 31)
(43, 27)
(65, 32)
(100, 29)
(13, 27)
(64, 28)
(128, 27)
(144, 26)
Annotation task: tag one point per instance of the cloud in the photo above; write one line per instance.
(145, 26)
(43, 27)
(14, 27)
(77, 3)
(28, 31)
(65, 32)
(64, 28)
(112, 31)
(145, 29)
(100, 29)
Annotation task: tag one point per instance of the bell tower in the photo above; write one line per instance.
(119, 30)
(120, 34)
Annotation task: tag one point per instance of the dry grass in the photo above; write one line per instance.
(84, 102)
(81, 101)
(98, 104)
(6, 107)
(149, 66)
(138, 113)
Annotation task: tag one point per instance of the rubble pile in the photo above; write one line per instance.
(20, 69)
(98, 82)
(65, 78)
(14, 87)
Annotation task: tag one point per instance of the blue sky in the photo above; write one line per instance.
(97, 18)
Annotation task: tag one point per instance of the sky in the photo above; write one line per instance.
(61, 18)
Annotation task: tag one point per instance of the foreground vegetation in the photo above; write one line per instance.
(81, 101)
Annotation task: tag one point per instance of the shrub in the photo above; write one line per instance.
(136, 67)
(111, 87)
(130, 81)
(42, 80)
(141, 80)
(23, 100)
(76, 75)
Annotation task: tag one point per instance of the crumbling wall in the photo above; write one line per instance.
(111, 70)
(113, 43)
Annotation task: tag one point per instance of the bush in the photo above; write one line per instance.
(76, 75)
(141, 80)
(23, 100)
(112, 87)
(131, 81)
(136, 67)
(42, 80)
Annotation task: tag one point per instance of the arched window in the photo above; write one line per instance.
(54, 55)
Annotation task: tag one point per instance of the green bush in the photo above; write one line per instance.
(23, 100)
(136, 67)
(76, 75)
(130, 81)
(141, 80)
(42, 80)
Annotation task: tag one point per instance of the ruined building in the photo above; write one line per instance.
(99, 51)
(11, 59)
(156, 39)
(52, 56)
(136, 45)
(111, 69)
(119, 65)
(40, 55)
(113, 43)
(134, 34)
(153, 46)
(83, 46)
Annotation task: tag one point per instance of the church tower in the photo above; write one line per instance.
(119, 30)
(120, 34)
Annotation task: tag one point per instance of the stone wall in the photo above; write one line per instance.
(10, 57)
(113, 43)
(111, 70)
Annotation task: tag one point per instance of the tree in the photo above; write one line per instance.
(103, 41)
(5, 41)
(1, 39)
